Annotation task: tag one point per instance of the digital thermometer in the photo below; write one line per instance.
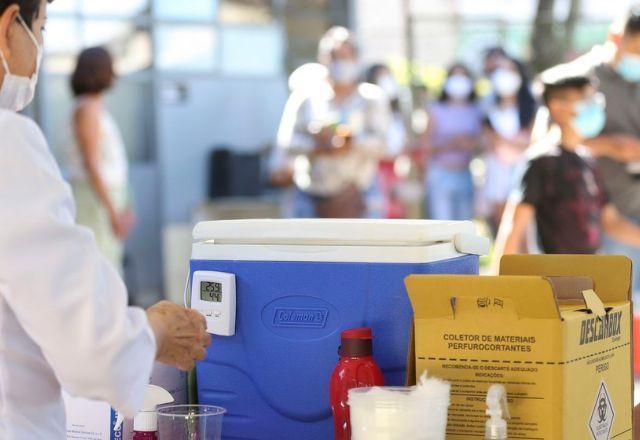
(214, 295)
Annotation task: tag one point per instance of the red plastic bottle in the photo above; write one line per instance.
(356, 369)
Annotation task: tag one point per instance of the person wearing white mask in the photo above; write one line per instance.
(336, 132)
(64, 319)
(397, 139)
(453, 135)
(508, 120)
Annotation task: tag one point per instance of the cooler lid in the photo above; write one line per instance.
(321, 232)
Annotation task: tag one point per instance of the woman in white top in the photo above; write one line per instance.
(64, 319)
(508, 120)
(97, 162)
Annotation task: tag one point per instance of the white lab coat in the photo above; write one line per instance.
(64, 320)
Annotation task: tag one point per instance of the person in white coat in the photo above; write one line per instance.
(64, 319)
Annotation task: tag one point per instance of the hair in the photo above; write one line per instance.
(94, 72)
(29, 9)
(333, 39)
(526, 102)
(371, 75)
(495, 50)
(444, 97)
(551, 90)
(632, 25)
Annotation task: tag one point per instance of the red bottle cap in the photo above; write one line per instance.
(356, 342)
(357, 333)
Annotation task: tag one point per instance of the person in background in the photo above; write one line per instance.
(452, 137)
(508, 120)
(562, 189)
(618, 145)
(307, 77)
(494, 57)
(380, 75)
(337, 132)
(96, 162)
(618, 148)
(397, 138)
(64, 319)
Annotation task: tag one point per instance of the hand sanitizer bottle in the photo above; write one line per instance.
(145, 423)
(497, 407)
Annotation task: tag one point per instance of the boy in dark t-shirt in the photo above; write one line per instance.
(562, 189)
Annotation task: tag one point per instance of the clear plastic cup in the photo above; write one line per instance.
(397, 413)
(190, 422)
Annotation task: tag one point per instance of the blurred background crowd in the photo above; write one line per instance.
(164, 115)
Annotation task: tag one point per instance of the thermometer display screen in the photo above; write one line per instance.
(211, 291)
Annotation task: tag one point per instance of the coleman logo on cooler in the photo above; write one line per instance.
(602, 415)
(298, 317)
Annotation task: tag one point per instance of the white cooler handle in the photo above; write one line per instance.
(471, 244)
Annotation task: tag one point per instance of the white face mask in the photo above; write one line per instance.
(17, 92)
(458, 86)
(506, 82)
(389, 85)
(344, 72)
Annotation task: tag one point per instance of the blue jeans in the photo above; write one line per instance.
(450, 194)
(611, 246)
(303, 206)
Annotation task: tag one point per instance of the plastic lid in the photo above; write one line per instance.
(145, 421)
(356, 342)
(357, 333)
(332, 232)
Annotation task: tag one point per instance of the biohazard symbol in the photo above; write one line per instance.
(602, 410)
(602, 416)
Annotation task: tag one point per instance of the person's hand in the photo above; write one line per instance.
(324, 139)
(122, 223)
(342, 140)
(333, 141)
(283, 177)
(181, 334)
(627, 149)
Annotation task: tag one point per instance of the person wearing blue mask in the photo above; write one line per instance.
(618, 143)
(562, 189)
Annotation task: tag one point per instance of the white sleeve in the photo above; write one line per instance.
(62, 291)
(293, 134)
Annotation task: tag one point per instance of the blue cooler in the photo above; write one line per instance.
(298, 284)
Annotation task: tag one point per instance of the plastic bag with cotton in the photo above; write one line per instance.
(401, 413)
